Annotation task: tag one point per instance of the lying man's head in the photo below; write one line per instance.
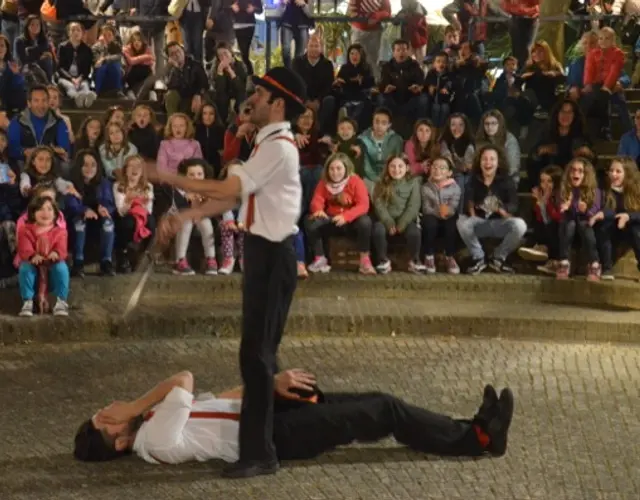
(99, 441)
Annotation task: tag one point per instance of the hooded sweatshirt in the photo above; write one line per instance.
(376, 151)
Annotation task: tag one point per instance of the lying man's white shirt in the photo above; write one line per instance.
(183, 429)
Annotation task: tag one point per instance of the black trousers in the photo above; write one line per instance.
(244, 37)
(547, 235)
(380, 238)
(126, 228)
(568, 230)
(319, 229)
(269, 281)
(341, 419)
(431, 227)
(608, 236)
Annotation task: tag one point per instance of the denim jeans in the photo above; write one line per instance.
(108, 77)
(298, 243)
(192, 28)
(299, 35)
(608, 236)
(11, 30)
(107, 237)
(58, 280)
(510, 231)
(568, 230)
(440, 113)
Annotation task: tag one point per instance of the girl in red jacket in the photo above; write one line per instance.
(43, 242)
(339, 206)
(547, 219)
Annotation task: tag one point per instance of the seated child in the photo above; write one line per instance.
(492, 201)
(89, 135)
(547, 214)
(210, 135)
(41, 169)
(542, 75)
(347, 142)
(339, 205)
(396, 200)
(95, 206)
(140, 61)
(619, 220)
(178, 144)
(231, 233)
(134, 220)
(115, 150)
(580, 200)
(422, 148)
(379, 142)
(194, 168)
(115, 114)
(518, 107)
(440, 201)
(457, 145)
(54, 105)
(107, 61)
(470, 81)
(313, 153)
(41, 233)
(143, 132)
(439, 84)
(75, 62)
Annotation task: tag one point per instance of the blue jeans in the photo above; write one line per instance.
(299, 35)
(440, 113)
(11, 30)
(108, 77)
(298, 243)
(58, 280)
(192, 28)
(510, 231)
(107, 237)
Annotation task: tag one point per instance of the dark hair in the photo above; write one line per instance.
(217, 120)
(578, 125)
(9, 53)
(172, 44)
(76, 170)
(346, 119)
(291, 113)
(91, 445)
(37, 88)
(185, 165)
(503, 164)
(450, 29)
(224, 45)
(112, 110)
(459, 146)
(37, 203)
(432, 148)
(82, 141)
(108, 27)
(31, 171)
(509, 58)
(363, 54)
(383, 111)
(42, 37)
(441, 54)
(4, 155)
(399, 41)
(132, 37)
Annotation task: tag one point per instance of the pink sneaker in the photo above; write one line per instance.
(212, 267)
(227, 266)
(182, 268)
(562, 270)
(593, 272)
(366, 267)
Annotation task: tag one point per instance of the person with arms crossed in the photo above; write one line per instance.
(269, 185)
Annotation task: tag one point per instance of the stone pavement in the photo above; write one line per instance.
(575, 435)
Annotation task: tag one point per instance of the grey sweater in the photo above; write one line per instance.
(433, 196)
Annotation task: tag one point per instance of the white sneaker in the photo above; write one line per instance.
(160, 85)
(27, 309)
(79, 100)
(319, 265)
(384, 267)
(228, 264)
(417, 267)
(153, 96)
(131, 96)
(89, 99)
(61, 308)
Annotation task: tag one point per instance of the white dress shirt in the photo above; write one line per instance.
(183, 430)
(272, 173)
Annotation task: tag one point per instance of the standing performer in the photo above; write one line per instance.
(269, 186)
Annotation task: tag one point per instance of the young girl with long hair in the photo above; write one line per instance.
(178, 144)
(33, 51)
(493, 130)
(75, 62)
(210, 134)
(422, 147)
(580, 200)
(396, 201)
(41, 169)
(339, 205)
(544, 243)
(90, 135)
(492, 202)
(96, 206)
(194, 169)
(115, 149)
(440, 202)
(457, 145)
(143, 132)
(135, 224)
(619, 220)
(115, 114)
(38, 235)
(140, 62)
(542, 75)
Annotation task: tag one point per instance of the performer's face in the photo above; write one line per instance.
(260, 108)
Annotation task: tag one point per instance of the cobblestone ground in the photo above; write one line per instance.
(575, 435)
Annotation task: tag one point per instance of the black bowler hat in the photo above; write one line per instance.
(286, 84)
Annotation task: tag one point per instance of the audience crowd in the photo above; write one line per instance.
(421, 151)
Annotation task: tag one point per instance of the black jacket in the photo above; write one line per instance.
(242, 16)
(352, 89)
(227, 89)
(211, 141)
(318, 77)
(402, 76)
(146, 140)
(83, 56)
(189, 80)
(502, 193)
(440, 81)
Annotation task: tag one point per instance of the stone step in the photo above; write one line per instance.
(221, 317)
(632, 94)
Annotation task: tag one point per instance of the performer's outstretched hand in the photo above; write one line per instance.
(294, 379)
(167, 229)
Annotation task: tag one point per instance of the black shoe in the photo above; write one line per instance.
(489, 408)
(477, 267)
(240, 470)
(124, 266)
(106, 268)
(78, 269)
(498, 427)
(500, 266)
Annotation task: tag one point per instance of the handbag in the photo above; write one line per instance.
(176, 7)
(49, 11)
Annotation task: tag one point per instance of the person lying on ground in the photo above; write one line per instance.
(168, 425)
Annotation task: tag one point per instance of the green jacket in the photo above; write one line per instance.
(375, 158)
(403, 207)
